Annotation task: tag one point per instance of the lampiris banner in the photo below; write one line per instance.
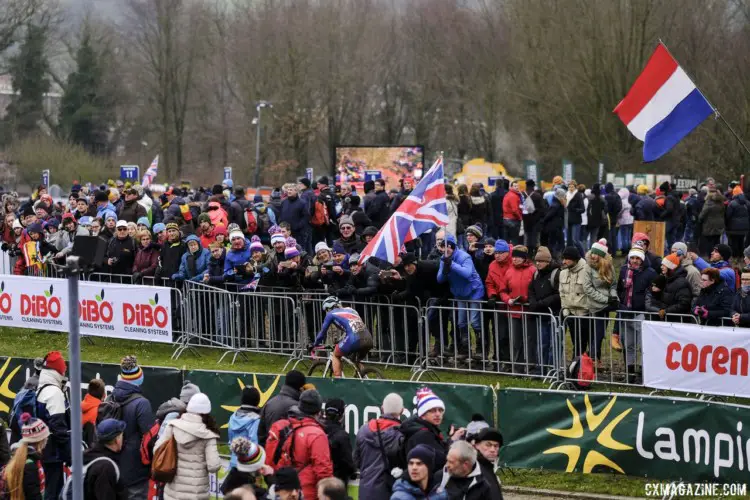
(637, 435)
(105, 309)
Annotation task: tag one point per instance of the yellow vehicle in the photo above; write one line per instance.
(480, 170)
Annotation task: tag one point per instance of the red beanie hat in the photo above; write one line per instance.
(54, 361)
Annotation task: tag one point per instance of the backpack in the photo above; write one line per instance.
(264, 222)
(285, 458)
(148, 441)
(164, 464)
(551, 278)
(528, 205)
(320, 214)
(393, 456)
(581, 371)
(26, 402)
(109, 408)
(5, 494)
(251, 222)
(67, 491)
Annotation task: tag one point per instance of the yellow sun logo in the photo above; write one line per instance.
(604, 438)
(264, 395)
(5, 391)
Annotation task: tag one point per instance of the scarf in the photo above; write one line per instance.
(629, 287)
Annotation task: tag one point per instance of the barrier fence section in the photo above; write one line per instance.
(614, 363)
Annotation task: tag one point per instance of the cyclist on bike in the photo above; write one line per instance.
(357, 340)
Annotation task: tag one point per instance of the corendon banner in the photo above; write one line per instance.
(692, 358)
(104, 309)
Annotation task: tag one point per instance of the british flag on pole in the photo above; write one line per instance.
(424, 209)
(150, 175)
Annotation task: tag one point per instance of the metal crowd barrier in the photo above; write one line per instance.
(472, 336)
(593, 335)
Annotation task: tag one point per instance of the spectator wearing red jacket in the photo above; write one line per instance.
(512, 213)
(311, 453)
(514, 291)
(493, 285)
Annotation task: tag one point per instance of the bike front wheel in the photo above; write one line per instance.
(369, 372)
(319, 369)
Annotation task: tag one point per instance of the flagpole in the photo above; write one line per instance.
(717, 113)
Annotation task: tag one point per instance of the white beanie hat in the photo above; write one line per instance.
(322, 245)
(199, 404)
(236, 234)
(427, 400)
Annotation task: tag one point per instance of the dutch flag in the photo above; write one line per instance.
(663, 105)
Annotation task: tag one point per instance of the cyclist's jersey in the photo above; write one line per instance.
(348, 320)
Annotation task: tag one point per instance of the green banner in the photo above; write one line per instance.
(362, 398)
(159, 384)
(637, 435)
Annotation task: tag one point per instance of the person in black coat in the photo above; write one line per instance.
(424, 428)
(487, 443)
(576, 208)
(376, 204)
(121, 251)
(613, 204)
(741, 304)
(544, 298)
(531, 221)
(171, 253)
(278, 406)
(496, 206)
(553, 223)
(715, 300)
(103, 460)
(738, 223)
(338, 439)
(595, 212)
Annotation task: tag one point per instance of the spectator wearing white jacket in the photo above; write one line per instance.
(196, 434)
(625, 221)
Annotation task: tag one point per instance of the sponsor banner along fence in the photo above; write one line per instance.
(638, 435)
(692, 358)
(105, 310)
(363, 398)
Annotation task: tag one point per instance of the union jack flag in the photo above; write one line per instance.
(424, 209)
(150, 175)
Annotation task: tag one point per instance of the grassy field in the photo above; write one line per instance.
(28, 344)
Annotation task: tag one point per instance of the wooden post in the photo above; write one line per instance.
(656, 232)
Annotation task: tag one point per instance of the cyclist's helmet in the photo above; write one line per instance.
(330, 303)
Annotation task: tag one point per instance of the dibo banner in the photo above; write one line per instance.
(638, 435)
(105, 309)
(362, 397)
(693, 358)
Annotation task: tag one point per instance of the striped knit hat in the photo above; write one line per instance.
(600, 248)
(250, 456)
(671, 261)
(256, 245)
(277, 238)
(637, 252)
(130, 371)
(427, 400)
(291, 248)
(33, 429)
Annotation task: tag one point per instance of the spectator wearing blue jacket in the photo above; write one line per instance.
(245, 421)
(237, 256)
(719, 259)
(296, 212)
(103, 204)
(457, 268)
(194, 262)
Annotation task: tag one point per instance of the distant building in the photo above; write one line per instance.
(51, 99)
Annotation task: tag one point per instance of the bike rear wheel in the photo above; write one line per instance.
(318, 369)
(368, 372)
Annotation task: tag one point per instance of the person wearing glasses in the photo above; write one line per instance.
(121, 250)
(741, 305)
(715, 300)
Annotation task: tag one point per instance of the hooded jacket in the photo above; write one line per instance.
(572, 296)
(544, 291)
(234, 264)
(215, 269)
(516, 284)
(296, 212)
(693, 275)
(512, 206)
(56, 405)
(472, 487)
(738, 217)
(101, 480)
(138, 417)
(646, 209)
(275, 409)
(718, 299)
(109, 207)
(370, 456)
(625, 218)
(131, 211)
(341, 450)
(725, 271)
(167, 411)
(712, 215)
(89, 408)
(403, 489)
(676, 296)
(170, 258)
(312, 455)
(496, 276)
(197, 457)
(554, 219)
(243, 423)
(459, 272)
(193, 265)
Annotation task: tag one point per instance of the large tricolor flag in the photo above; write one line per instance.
(150, 175)
(424, 209)
(663, 105)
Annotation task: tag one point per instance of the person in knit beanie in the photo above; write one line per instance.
(473, 235)
(24, 474)
(245, 421)
(139, 418)
(250, 465)
(424, 427)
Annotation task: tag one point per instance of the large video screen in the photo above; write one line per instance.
(356, 164)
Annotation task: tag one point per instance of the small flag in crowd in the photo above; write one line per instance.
(150, 175)
(663, 105)
(424, 209)
(253, 284)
